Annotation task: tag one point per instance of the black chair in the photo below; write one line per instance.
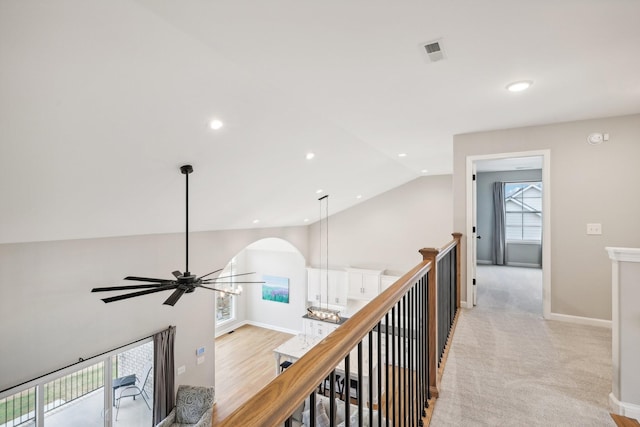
(284, 365)
(326, 385)
(136, 389)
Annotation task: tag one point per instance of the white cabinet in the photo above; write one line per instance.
(363, 284)
(313, 286)
(317, 328)
(326, 287)
(337, 287)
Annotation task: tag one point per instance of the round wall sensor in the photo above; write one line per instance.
(595, 138)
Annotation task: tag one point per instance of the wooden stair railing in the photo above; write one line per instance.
(411, 302)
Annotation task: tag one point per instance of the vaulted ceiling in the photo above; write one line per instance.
(102, 101)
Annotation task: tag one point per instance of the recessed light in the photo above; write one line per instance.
(425, 171)
(359, 196)
(519, 86)
(310, 156)
(255, 221)
(402, 155)
(215, 124)
(319, 190)
(306, 220)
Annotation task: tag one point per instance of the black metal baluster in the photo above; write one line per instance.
(393, 363)
(359, 384)
(346, 387)
(379, 373)
(427, 316)
(420, 349)
(370, 373)
(386, 368)
(411, 359)
(332, 396)
(403, 330)
(312, 409)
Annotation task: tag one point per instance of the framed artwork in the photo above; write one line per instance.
(275, 289)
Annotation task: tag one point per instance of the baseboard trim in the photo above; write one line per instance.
(483, 262)
(464, 304)
(580, 320)
(523, 264)
(623, 408)
(272, 327)
(225, 329)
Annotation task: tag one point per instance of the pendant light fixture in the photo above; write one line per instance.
(324, 313)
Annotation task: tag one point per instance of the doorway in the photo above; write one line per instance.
(517, 161)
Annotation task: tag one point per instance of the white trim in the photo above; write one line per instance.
(274, 328)
(580, 320)
(624, 254)
(464, 304)
(546, 219)
(522, 264)
(623, 408)
(230, 326)
(615, 327)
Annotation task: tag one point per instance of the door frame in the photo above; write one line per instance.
(546, 222)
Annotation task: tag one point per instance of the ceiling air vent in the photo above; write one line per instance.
(434, 51)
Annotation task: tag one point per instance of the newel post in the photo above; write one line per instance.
(430, 254)
(458, 238)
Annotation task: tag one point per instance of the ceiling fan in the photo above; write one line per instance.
(183, 283)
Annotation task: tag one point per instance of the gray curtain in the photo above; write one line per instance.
(499, 240)
(164, 376)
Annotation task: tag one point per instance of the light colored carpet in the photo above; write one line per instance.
(509, 367)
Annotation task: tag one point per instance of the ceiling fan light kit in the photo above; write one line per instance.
(183, 283)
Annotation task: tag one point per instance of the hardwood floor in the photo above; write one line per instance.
(244, 365)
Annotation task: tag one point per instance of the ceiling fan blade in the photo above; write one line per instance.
(209, 274)
(216, 283)
(139, 293)
(124, 288)
(221, 290)
(176, 273)
(146, 279)
(174, 297)
(232, 275)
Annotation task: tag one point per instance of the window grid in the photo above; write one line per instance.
(523, 211)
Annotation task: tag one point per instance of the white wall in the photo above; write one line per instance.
(281, 316)
(49, 318)
(387, 231)
(589, 184)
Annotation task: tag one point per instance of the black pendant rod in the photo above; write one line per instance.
(186, 170)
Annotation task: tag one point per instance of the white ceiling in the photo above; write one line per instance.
(102, 101)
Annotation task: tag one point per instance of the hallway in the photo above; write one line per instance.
(509, 367)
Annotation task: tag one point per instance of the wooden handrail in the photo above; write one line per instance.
(274, 403)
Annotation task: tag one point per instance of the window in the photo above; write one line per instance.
(523, 209)
(225, 304)
(75, 395)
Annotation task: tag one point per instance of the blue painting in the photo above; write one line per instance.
(275, 289)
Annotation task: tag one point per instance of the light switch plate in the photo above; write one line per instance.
(182, 369)
(200, 360)
(593, 229)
